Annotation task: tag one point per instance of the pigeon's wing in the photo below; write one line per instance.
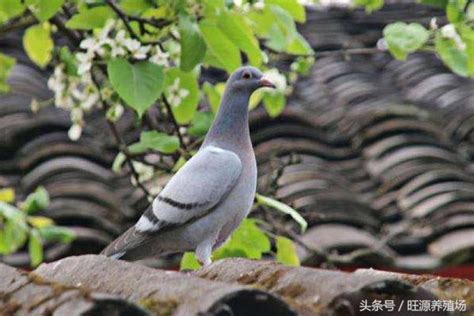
(197, 187)
(195, 190)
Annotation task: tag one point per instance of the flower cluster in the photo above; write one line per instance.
(175, 94)
(449, 31)
(78, 93)
(278, 79)
(144, 172)
(75, 94)
(106, 43)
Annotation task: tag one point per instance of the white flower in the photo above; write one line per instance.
(433, 24)
(174, 50)
(135, 48)
(85, 62)
(382, 44)
(88, 44)
(76, 91)
(63, 101)
(35, 106)
(104, 33)
(160, 57)
(145, 172)
(176, 94)
(57, 81)
(116, 45)
(183, 93)
(276, 78)
(131, 44)
(120, 37)
(115, 112)
(77, 115)
(259, 5)
(449, 31)
(89, 102)
(75, 132)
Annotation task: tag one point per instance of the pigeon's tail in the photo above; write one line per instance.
(125, 244)
(118, 255)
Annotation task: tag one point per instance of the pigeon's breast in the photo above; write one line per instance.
(240, 200)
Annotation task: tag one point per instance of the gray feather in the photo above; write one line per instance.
(197, 187)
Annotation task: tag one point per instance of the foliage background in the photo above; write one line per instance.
(149, 56)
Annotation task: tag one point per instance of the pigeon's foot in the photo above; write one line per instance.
(204, 252)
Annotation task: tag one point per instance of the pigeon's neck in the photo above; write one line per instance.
(231, 127)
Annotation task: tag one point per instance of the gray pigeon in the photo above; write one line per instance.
(211, 194)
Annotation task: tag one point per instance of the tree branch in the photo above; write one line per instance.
(122, 146)
(173, 121)
(142, 21)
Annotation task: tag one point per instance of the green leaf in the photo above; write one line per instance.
(279, 206)
(370, 5)
(286, 252)
(403, 38)
(36, 201)
(16, 234)
(180, 163)
(299, 46)
(118, 162)
(10, 212)
(283, 30)
(274, 103)
(57, 233)
(6, 65)
(184, 111)
(38, 44)
(221, 52)
(193, 47)
(247, 240)
(467, 35)
(7, 195)
(135, 7)
(89, 19)
(302, 65)
(189, 262)
(455, 10)
(10, 9)
(139, 84)
(43, 10)
(69, 60)
(155, 141)
(40, 221)
(435, 3)
(4, 246)
(455, 58)
(35, 248)
(293, 7)
(201, 123)
(241, 34)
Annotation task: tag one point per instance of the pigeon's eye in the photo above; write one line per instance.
(247, 75)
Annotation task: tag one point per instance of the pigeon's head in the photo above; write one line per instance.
(248, 79)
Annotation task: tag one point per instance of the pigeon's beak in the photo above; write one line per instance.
(264, 82)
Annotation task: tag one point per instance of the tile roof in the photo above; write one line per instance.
(377, 154)
(239, 287)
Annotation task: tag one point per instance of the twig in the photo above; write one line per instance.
(142, 21)
(122, 17)
(17, 23)
(173, 121)
(122, 146)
